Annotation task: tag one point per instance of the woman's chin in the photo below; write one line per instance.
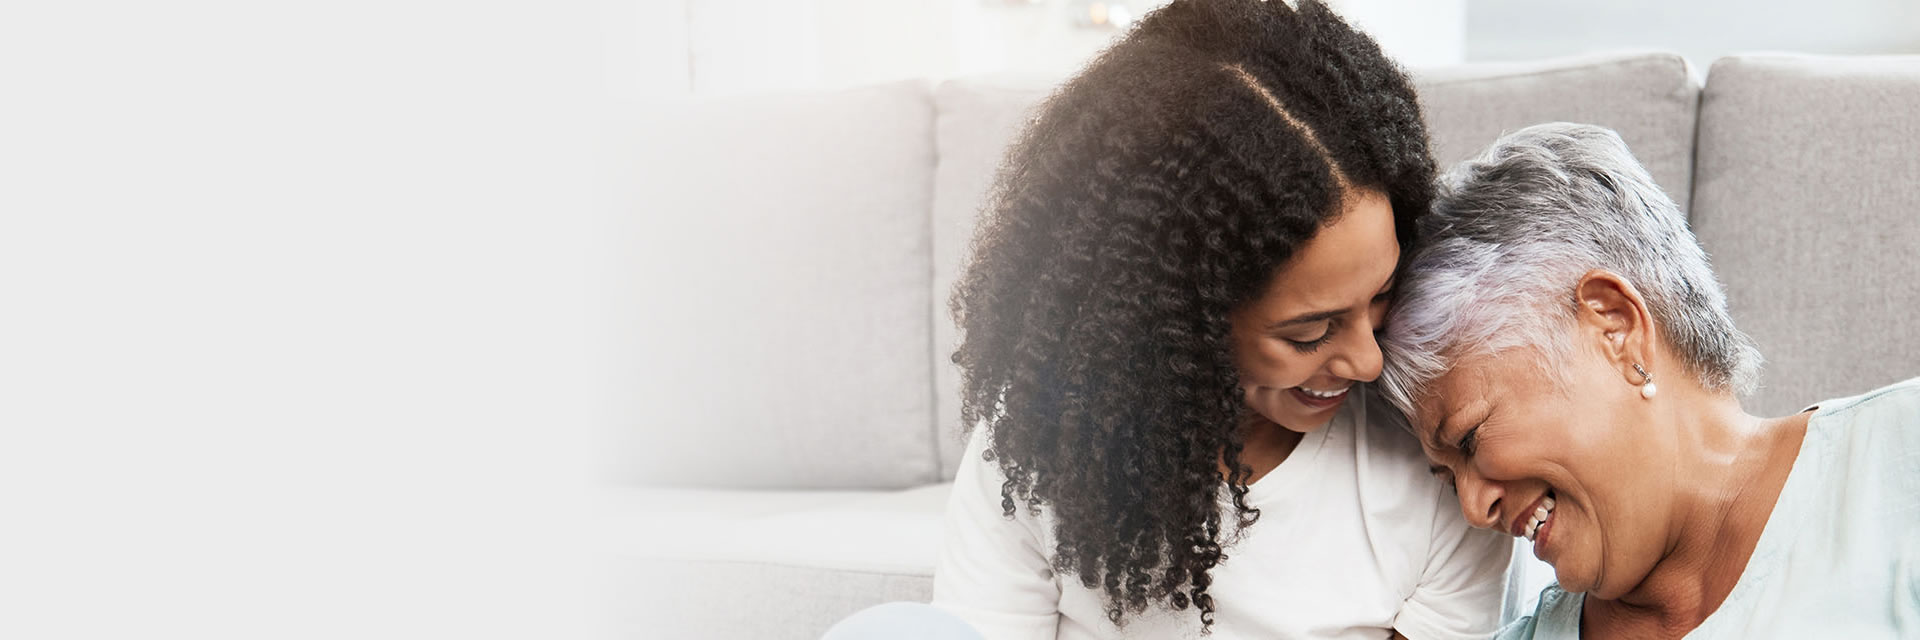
(1304, 427)
(1300, 421)
(1573, 580)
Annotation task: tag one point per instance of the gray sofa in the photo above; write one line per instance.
(790, 413)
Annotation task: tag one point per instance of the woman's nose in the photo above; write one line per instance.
(1480, 501)
(1358, 358)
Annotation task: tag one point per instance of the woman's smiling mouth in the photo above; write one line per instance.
(1535, 523)
(1319, 399)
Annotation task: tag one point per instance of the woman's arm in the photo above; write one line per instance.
(1462, 589)
(993, 570)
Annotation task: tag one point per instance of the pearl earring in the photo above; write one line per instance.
(1647, 389)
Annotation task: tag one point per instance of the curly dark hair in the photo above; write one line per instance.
(1155, 193)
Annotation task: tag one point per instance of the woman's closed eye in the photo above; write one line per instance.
(1311, 345)
(1469, 442)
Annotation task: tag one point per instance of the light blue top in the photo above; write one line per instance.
(1840, 555)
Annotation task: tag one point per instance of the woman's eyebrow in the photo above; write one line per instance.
(1461, 445)
(1316, 316)
(1433, 439)
(1320, 316)
(1305, 318)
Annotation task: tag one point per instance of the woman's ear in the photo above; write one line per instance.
(1612, 312)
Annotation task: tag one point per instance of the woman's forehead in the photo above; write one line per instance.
(1347, 260)
(1471, 382)
(1515, 378)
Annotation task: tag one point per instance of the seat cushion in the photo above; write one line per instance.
(1805, 197)
(777, 332)
(704, 563)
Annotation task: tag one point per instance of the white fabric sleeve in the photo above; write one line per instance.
(993, 571)
(1463, 587)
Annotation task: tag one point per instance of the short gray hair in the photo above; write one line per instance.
(1495, 264)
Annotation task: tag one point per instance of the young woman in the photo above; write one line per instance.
(1167, 322)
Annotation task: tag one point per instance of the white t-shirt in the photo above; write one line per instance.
(1840, 554)
(1356, 538)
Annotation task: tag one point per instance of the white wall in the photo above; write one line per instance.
(1041, 38)
(647, 47)
(736, 46)
(732, 46)
(1702, 30)
(296, 326)
(1418, 33)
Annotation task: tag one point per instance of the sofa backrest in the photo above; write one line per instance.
(1807, 197)
(798, 254)
(1651, 99)
(781, 333)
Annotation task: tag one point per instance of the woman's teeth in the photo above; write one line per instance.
(1540, 515)
(1323, 394)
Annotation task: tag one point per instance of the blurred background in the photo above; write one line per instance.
(304, 307)
(728, 46)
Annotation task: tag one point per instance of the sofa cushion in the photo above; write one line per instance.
(665, 598)
(1805, 197)
(779, 329)
(1649, 98)
(688, 563)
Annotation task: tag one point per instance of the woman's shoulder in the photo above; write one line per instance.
(1556, 616)
(1391, 466)
(1894, 400)
(975, 502)
(1881, 422)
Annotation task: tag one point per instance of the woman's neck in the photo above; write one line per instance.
(1738, 465)
(1266, 445)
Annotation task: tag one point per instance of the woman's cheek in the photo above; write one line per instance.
(1266, 401)
(1284, 366)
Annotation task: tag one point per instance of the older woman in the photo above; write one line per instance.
(1568, 363)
